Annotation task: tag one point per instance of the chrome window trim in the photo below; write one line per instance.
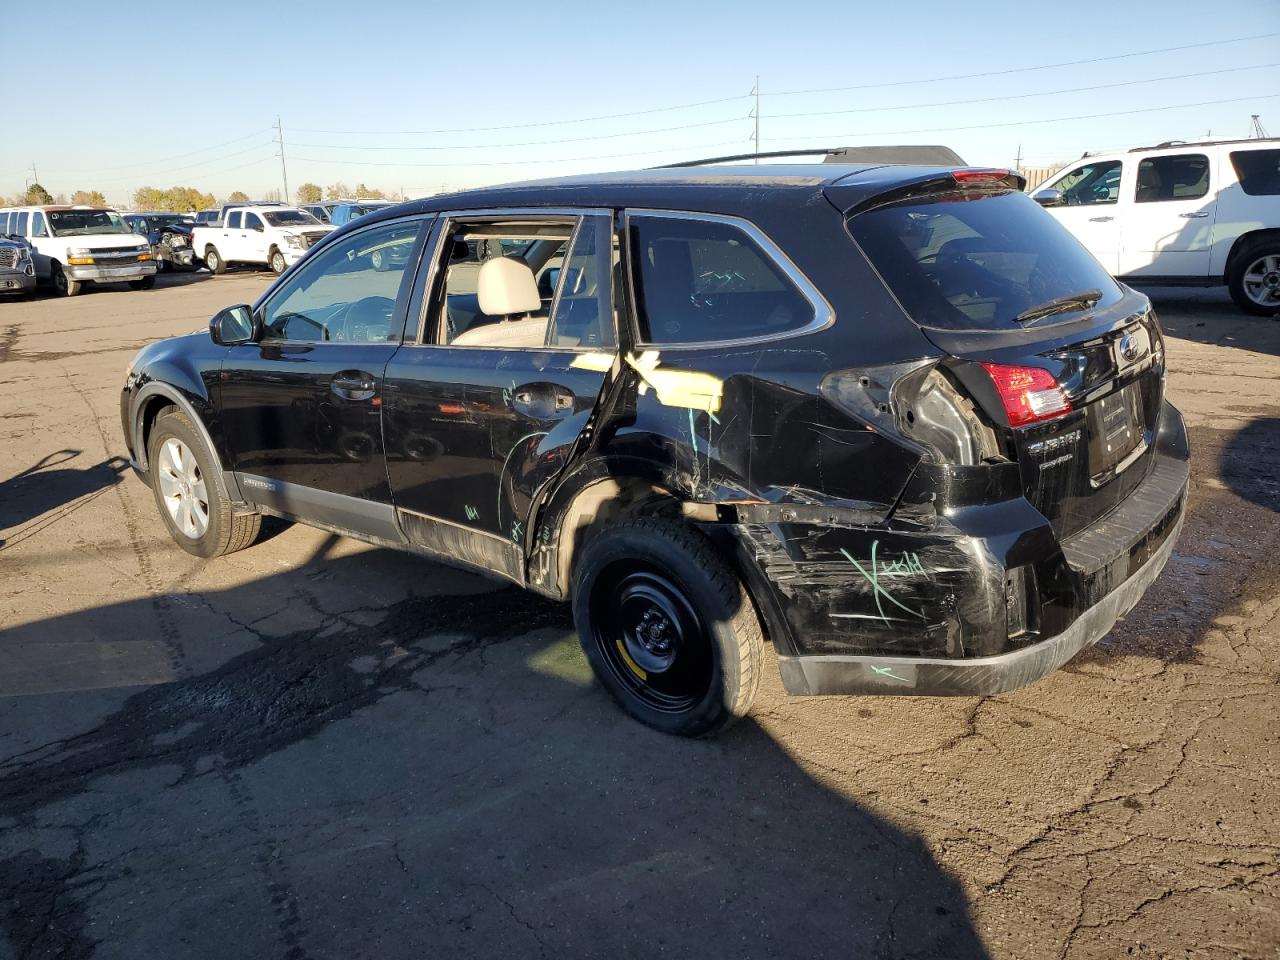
(824, 314)
(556, 214)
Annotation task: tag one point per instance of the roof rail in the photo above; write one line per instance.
(826, 151)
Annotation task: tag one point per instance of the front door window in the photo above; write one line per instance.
(1090, 184)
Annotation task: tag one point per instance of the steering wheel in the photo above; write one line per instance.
(361, 315)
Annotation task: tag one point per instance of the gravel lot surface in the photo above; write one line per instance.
(315, 748)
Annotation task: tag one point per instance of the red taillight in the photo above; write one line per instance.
(1029, 394)
(979, 176)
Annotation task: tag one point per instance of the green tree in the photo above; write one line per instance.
(174, 200)
(238, 197)
(90, 198)
(36, 194)
(369, 193)
(310, 193)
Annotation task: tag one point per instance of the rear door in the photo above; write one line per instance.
(231, 245)
(302, 408)
(487, 407)
(1169, 216)
(1090, 207)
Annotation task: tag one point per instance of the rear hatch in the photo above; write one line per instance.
(1066, 364)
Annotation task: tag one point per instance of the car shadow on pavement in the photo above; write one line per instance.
(1248, 462)
(436, 775)
(27, 497)
(1208, 315)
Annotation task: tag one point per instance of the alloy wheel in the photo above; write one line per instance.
(1262, 281)
(182, 487)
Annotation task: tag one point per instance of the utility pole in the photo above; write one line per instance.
(1257, 131)
(284, 172)
(755, 91)
(1017, 163)
(35, 177)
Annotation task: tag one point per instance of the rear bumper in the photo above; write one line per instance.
(976, 676)
(926, 611)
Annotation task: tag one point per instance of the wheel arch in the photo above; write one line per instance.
(150, 401)
(1244, 241)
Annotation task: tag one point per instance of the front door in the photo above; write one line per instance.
(518, 338)
(252, 242)
(1089, 208)
(302, 407)
(1168, 229)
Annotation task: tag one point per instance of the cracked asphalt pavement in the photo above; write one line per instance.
(318, 749)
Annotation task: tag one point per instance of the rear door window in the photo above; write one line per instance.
(1178, 177)
(233, 221)
(1258, 171)
(20, 227)
(706, 280)
(976, 263)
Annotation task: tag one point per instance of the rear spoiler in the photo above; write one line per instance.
(876, 187)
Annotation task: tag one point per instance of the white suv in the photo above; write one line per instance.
(1180, 213)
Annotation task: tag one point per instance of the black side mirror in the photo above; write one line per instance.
(234, 325)
(1048, 198)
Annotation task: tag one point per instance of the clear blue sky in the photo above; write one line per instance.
(187, 93)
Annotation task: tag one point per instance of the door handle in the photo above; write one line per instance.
(354, 385)
(1101, 219)
(1194, 216)
(542, 401)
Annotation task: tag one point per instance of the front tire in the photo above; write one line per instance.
(214, 262)
(667, 626)
(276, 262)
(186, 481)
(63, 285)
(1254, 279)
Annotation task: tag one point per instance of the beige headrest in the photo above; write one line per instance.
(506, 287)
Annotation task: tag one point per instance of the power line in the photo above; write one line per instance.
(153, 162)
(166, 171)
(509, 163)
(1024, 96)
(1043, 66)
(527, 143)
(1022, 123)
(539, 123)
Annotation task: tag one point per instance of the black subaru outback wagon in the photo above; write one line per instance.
(893, 419)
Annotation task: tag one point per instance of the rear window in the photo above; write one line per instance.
(1258, 171)
(707, 280)
(966, 262)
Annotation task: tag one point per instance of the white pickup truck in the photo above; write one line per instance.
(272, 236)
(1193, 214)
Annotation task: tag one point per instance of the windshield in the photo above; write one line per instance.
(79, 223)
(966, 262)
(288, 218)
(165, 219)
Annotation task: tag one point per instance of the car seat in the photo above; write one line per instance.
(506, 288)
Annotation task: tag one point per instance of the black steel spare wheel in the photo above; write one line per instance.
(651, 637)
(666, 625)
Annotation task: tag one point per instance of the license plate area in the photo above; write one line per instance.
(1115, 433)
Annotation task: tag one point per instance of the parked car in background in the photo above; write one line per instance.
(894, 419)
(347, 211)
(321, 211)
(272, 236)
(79, 245)
(169, 235)
(1194, 214)
(17, 269)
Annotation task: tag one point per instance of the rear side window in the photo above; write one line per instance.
(1258, 171)
(975, 263)
(1181, 177)
(20, 224)
(708, 280)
